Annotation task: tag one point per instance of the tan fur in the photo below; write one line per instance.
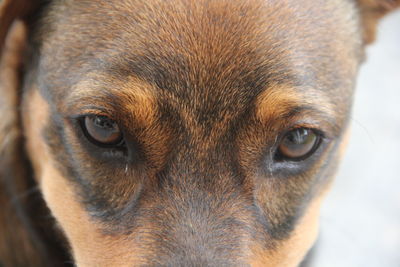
(273, 103)
(89, 246)
(136, 97)
(291, 251)
(35, 118)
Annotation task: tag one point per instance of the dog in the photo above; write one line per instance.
(173, 133)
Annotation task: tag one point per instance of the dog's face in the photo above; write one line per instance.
(189, 133)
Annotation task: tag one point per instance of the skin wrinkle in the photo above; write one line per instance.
(203, 91)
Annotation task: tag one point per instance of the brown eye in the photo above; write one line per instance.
(298, 144)
(102, 130)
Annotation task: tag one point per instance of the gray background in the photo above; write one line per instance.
(360, 221)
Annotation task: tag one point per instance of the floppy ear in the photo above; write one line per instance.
(10, 10)
(24, 241)
(371, 12)
(16, 246)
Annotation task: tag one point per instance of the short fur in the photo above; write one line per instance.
(203, 91)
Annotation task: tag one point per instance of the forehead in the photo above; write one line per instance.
(209, 51)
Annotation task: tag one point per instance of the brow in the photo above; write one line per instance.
(115, 96)
(290, 104)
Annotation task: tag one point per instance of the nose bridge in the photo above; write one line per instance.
(202, 184)
(211, 173)
(204, 216)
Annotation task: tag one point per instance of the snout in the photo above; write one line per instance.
(192, 223)
(180, 217)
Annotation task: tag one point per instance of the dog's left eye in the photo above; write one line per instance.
(298, 144)
(102, 130)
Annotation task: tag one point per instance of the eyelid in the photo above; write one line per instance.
(311, 127)
(316, 126)
(321, 134)
(92, 111)
(307, 117)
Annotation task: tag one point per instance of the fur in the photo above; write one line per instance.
(203, 90)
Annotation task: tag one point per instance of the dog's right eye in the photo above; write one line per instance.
(102, 130)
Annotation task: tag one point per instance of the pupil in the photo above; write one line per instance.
(104, 123)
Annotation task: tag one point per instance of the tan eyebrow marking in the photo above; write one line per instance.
(277, 102)
(137, 97)
(129, 96)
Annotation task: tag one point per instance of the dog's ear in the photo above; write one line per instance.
(371, 12)
(16, 244)
(10, 11)
(23, 214)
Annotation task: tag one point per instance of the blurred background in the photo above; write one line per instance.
(360, 223)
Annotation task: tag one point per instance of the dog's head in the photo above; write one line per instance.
(176, 133)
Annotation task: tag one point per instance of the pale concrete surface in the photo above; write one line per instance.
(360, 223)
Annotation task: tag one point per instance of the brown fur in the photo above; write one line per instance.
(203, 91)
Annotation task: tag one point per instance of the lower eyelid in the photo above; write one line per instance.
(114, 153)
